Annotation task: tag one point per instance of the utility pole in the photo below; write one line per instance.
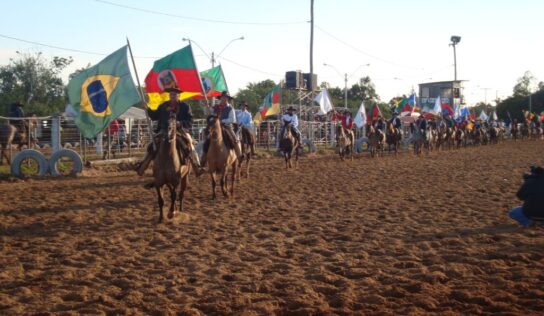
(312, 50)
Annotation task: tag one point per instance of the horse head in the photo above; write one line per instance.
(287, 132)
(214, 126)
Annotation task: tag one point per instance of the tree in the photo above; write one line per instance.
(32, 80)
(254, 94)
(363, 90)
(541, 86)
(524, 85)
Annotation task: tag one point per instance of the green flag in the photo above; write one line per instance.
(103, 92)
(213, 82)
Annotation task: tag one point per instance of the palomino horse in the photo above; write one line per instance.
(288, 146)
(376, 140)
(169, 169)
(417, 139)
(220, 158)
(247, 142)
(9, 134)
(392, 137)
(343, 141)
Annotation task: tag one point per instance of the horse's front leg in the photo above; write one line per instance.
(161, 202)
(183, 187)
(213, 185)
(223, 182)
(234, 172)
(173, 196)
(247, 165)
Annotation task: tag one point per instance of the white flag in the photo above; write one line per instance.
(325, 104)
(494, 116)
(360, 118)
(483, 116)
(437, 107)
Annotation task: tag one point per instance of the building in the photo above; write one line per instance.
(450, 92)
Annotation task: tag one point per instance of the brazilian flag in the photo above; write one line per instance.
(103, 92)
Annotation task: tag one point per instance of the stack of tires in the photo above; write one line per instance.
(44, 165)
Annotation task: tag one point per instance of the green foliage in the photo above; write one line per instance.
(254, 94)
(35, 82)
(524, 85)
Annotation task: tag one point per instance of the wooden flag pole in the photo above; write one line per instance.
(141, 90)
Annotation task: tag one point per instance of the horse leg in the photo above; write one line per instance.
(234, 171)
(161, 202)
(247, 165)
(213, 185)
(296, 157)
(182, 188)
(223, 182)
(173, 196)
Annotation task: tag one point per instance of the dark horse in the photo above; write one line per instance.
(10, 134)
(392, 138)
(170, 169)
(247, 143)
(288, 146)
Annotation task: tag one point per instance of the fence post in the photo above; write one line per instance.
(55, 133)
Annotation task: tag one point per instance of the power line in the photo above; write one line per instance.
(196, 19)
(251, 68)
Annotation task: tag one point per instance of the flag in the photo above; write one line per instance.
(473, 115)
(465, 112)
(103, 92)
(494, 116)
(404, 108)
(177, 70)
(447, 110)
(528, 115)
(457, 112)
(437, 109)
(271, 103)
(360, 117)
(257, 118)
(483, 116)
(213, 82)
(541, 119)
(325, 104)
(375, 112)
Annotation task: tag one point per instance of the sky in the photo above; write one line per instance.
(405, 42)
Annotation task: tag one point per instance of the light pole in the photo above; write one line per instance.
(454, 41)
(345, 80)
(214, 57)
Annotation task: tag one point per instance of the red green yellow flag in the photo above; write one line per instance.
(271, 103)
(213, 82)
(177, 70)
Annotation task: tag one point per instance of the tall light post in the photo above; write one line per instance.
(454, 41)
(214, 57)
(345, 80)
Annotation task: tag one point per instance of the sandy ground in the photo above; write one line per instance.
(392, 236)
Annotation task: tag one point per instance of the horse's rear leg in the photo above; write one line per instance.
(234, 171)
(173, 196)
(161, 202)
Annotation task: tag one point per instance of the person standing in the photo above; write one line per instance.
(244, 120)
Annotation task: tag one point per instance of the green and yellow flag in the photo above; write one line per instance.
(103, 92)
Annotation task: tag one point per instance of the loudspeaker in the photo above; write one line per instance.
(293, 79)
(310, 83)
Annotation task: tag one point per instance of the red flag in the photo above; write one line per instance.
(473, 115)
(446, 109)
(375, 112)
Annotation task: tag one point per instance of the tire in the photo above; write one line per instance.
(68, 153)
(29, 154)
(359, 144)
(309, 144)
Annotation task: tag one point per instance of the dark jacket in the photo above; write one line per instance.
(16, 111)
(183, 115)
(532, 195)
(396, 122)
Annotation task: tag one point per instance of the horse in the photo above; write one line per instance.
(9, 135)
(417, 139)
(514, 130)
(170, 169)
(458, 137)
(524, 131)
(289, 145)
(344, 143)
(392, 137)
(247, 142)
(376, 140)
(220, 158)
(431, 134)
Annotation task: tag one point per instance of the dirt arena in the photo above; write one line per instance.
(391, 236)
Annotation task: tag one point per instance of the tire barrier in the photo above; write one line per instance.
(29, 154)
(359, 148)
(77, 166)
(308, 143)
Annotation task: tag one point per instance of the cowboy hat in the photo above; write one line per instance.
(291, 108)
(173, 89)
(226, 94)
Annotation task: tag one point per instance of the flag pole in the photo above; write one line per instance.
(141, 90)
(199, 78)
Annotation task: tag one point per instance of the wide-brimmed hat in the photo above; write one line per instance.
(291, 108)
(395, 113)
(173, 89)
(226, 94)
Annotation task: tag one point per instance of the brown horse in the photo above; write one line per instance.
(392, 137)
(376, 140)
(247, 142)
(170, 169)
(417, 139)
(458, 137)
(9, 135)
(289, 145)
(524, 130)
(220, 158)
(344, 143)
(514, 130)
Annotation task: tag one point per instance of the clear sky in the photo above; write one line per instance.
(405, 42)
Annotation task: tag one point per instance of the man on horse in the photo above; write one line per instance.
(380, 123)
(244, 120)
(347, 123)
(16, 111)
(184, 120)
(290, 118)
(421, 123)
(227, 115)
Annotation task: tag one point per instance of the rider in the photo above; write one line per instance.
(291, 117)
(184, 120)
(421, 123)
(16, 111)
(395, 121)
(243, 119)
(226, 114)
(380, 123)
(347, 123)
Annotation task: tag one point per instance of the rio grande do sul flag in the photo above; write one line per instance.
(213, 82)
(177, 70)
(103, 92)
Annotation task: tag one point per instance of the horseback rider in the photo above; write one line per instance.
(380, 123)
(421, 123)
(395, 121)
(290, 117)
(16, 111)
(244, 120)
(347, 123)
(184, 120)
(227, 115)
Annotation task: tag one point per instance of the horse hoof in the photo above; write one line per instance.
(171, 215)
